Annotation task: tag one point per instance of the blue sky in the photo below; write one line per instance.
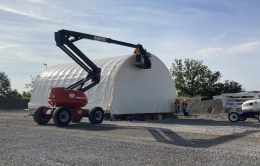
(223, 33)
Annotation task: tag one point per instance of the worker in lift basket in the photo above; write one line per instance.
(177, 105)
(137, 55)
(184, 105)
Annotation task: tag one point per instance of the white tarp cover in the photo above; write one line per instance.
(123, 88)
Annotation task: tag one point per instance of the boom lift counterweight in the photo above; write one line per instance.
(67, 102)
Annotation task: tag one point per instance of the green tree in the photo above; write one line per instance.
(26, 95)
(232, 87)
(5, 88)
(228, 87)
(192, 78)
(14, 94)
(31, 84)
(5, 85)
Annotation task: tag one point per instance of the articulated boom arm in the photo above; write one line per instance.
(64, 39)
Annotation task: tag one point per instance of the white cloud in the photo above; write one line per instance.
(10, 55)
(208, 52)
(38, 1)
(37, 9)
(219, 37)
(246, 48)
(24, 13)
(7, 46)
(253, 47)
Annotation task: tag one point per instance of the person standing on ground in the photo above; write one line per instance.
(177, 105)
(184, 105)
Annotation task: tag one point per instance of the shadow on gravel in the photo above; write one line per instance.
(169, 137)
(209, 122)
(88, 126)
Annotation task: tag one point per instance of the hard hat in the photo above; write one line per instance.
(184, 99)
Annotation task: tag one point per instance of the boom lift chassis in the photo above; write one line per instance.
(242, 116)
(67, 102)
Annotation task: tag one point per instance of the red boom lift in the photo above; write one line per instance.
(67, 102)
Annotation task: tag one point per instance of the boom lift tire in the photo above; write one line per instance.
(76, 119)
(61, 116)
(41, 118)
(233, 117)
(96, 115)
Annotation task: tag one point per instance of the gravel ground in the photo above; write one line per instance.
(197, 140)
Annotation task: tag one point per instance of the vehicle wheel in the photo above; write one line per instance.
(39, 117)
(61, 116)
(76, 119)
(258, 117)
(233, 116)
(96, 115)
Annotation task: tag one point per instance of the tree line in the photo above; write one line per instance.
(7, 92)
(192, 78)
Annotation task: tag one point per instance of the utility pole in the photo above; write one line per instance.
(45, 64)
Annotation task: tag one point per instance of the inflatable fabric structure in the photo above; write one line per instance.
(123, 88)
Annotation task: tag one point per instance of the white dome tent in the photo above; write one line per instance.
(123, 88)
